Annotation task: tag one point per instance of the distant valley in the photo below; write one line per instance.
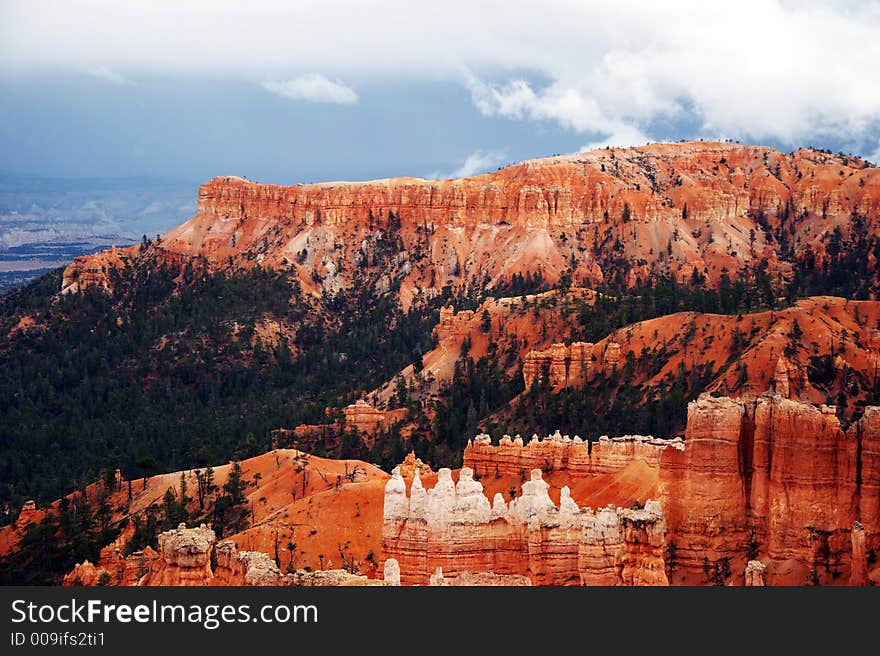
(46, 222)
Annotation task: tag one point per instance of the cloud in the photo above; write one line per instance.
(314, 87)
(794, 71)
(109, 75)
(578, 112)
(474, 164)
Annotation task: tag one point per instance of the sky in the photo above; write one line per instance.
(286, 92)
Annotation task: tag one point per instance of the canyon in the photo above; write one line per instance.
(760, 491)
(538, 272)
(764, 489)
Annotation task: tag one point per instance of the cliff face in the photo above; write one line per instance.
(761, 490)
(364, 418)
(184, 558)
(113, 566)
(776, 350)
(702, 487)
(867, 432)
(561, 453)
(540, 214)
(772, 477)
(454, 529)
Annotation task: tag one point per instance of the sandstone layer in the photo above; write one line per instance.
(762, 490)
(748, 354)
(698, 202)
(454, 527)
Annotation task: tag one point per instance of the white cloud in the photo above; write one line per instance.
(314, 87)
(474, 164)
(791, 70)
(109, 75)
(557, 102)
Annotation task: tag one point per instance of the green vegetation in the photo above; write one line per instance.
(168, 372)
(50, 548)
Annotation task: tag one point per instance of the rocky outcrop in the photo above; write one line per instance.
(184, 558)
(754, 573)
(702, 487)
(244, 567)
(453, 327)
(859, 568)
(789, 379)
(867, 433)
(804, 483)
(766, 489)
(92, 271)
(334, 578)
(624, 547)
(571, 365)
(454, 527)
(564, 365)
(364, 418)
(112, 568)
(28, 515)
(769, 476)
(580, 459)
(480, 579)
(412, 464)
(773, 349)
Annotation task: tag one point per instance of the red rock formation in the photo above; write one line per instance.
(27, 515)
(453, 326)
(454, 528)
(789, 379)
(624, 547)
(762, 345)
(365, 418)
(112, 568)
(411, 464)
(92, 270)
(516, 325)
(184, 558)
(867, 431)
(859, 569)
(702, 489)
(185, 561)
(236, 567)
(481, 579)
(767, 477)
(528, 217)
(566, 365)
(754, 573)
(804, 495)
(557, 452)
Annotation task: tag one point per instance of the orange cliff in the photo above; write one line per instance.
(504, 325)
(184, 559)
(543, 214)
(763, 490)
(320, 506)
(453, 527)
(748, 353)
